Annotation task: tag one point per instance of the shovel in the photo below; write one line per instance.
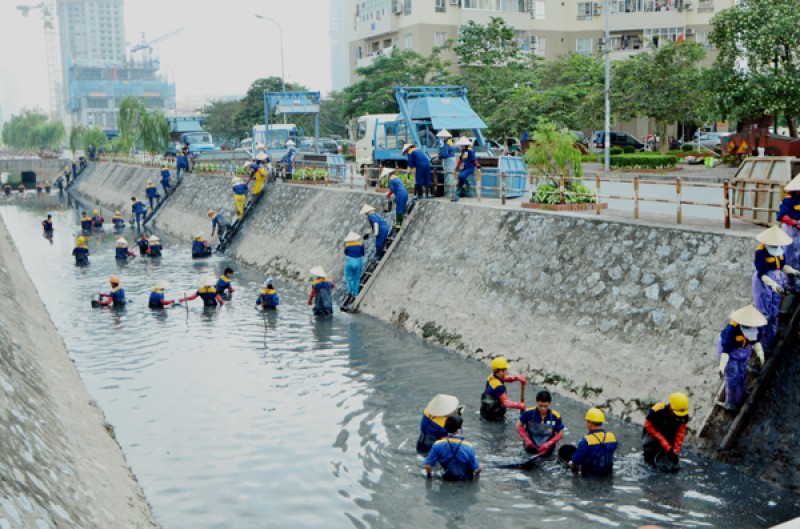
(667, 462)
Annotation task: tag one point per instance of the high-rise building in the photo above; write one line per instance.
(340, 45)
(97, 70)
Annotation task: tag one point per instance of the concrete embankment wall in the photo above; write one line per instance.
(46, 169)
(616, 314)
(60, 466)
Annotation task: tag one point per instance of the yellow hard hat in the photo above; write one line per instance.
(116, 213)
(211, 212)
(679, 403)
(596, 416)
(499, 363)
(114, 279)
(80, 240)
(95, 212)
(149, 182)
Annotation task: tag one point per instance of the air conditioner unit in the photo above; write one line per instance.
(689, 32)
(455, 2)
(596, 9)
(397, 7)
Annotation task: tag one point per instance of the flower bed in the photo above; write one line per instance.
(563, 207)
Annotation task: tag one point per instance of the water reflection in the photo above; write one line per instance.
(232, 417)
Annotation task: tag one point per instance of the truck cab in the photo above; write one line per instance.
(189, 129)
(365, 137)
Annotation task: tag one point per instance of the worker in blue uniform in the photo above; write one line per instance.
(290, 154)
(181, 162)
(81, 252)
(321, 295)
(771, 279)
(218, 223)
(258, 171)
(152, 194)
(419, 162)
(224, 286)
(456, 455)
(466, 166)
(47, 186)
(665, 428)
(540, 427)
(21, 189)
(47, 225)
(239, 188)
(39, 188)
(737, 342)
(431, 428)
(379, 228)
(86, 222)
(495, 400)
(7, 190)
(143, 242)
(157, 298)
(121, 250)
(353, 262)
(115, 297)
(154, 246)
(200, 247)
(268, 296)
(207, 292)
(397, 188)
(165, 183)
(118, 221)
(97, 220)
(447, 155)
(595, 452)
(139, 209)
(789, 217)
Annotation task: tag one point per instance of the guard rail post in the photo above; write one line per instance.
(503, 188)
(597, 194)
(561, 189)
(327, 174)
(478, 184)
(636, 196)
(678, 196)
(726, 193)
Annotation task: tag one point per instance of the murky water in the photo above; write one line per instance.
(231, 419)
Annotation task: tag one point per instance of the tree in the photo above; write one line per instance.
(663, 84)
(139, 126)
(756, 71)
(251, 110)
(491, 45)
(221, 120)
(554, 155)
(374, 93)
(81, 137)
(332, 119)
(31, 129)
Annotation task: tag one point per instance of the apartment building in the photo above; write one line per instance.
(545, 28)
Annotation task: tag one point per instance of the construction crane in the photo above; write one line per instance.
(148, 45)
(49, 19)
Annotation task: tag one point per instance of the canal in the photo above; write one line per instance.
(230, 418)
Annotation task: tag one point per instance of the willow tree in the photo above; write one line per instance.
(139, 126)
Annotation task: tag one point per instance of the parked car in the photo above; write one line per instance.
(618, 139)
(325, 146)
(711, 140)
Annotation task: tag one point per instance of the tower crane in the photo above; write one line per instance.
(148, 45)
(49, 24)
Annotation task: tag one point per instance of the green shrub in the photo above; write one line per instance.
(616, 150)
(629, 149)
(547, 193)
(639, 161)
(687, 147)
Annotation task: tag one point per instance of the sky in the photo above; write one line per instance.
(222, 49)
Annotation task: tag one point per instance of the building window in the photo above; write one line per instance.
(408, 41)
(440, 39)
(705, 5)
(541, 46)
(702, 39)
(538, 9)
(441, 6)
(584, 10)
(407, 7)
(659, 36)
(583, 46)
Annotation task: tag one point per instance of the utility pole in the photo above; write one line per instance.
(607, 54)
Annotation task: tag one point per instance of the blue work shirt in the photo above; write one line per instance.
(86, 223)
(223, 284)
(397, 186)
(495, 386)
(117, 295)
(268, 298)
(81, 253)
(468, 160)
(219, 220)
(456, 456)
(447, 150)
(541, 429)
(151, 191)
(240, 189)
(764, 262)
(383, 228)
(199, 248)
(595, 453)
(418, 159)
(791, 207)
(138, 207)
(731, 338)
(354, 249)
(165, 175)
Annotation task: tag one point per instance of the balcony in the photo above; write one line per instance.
(653, 19)
(369, 59)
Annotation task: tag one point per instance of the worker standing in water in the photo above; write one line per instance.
(152, 194)
(97, 220)
(495, 400)
(397, 188)
(353, 262)
(321, 296)
(594, 455)
(121, 251)
(737, 342)
(47, 225)
(770, 279)
(665, 427)
(86, 223)
(118, 221)
(379, 228)
(157, 300)
(268, 296)
(143, 242)
(540, 427)
(115, 297)
(154, 246)
(419, 162)
(224, 286)
(207, 292)
(447, 155)
(200, 247)
(239, 188)
(431, 428)
(456, 456)
(81, 252)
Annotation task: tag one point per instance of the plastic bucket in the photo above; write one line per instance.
(667, 462)
(566, 452)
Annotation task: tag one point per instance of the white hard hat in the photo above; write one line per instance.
(290, 143)
(208, 281)
(442, 405)
(794, 185)
(261, 156)
(387, 171)
(161, 284)
(122, 240)
(260, 146)
(318, 271)
(153, 239)
(463, 140)
(774, 236)
(352, 237)
(366, 208)
(407, 147)
(444, 133)
(268, 282)
(749, 316)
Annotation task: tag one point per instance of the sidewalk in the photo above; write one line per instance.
(699, 173)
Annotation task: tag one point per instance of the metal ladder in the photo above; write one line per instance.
(230, 235)
(161, 201)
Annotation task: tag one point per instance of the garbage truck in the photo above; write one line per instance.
(424, 111)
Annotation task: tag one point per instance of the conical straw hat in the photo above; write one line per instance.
(161, 284)
(208, 281)
(774, 236)
(352, 237)
(749, 316)
(442, 405)
(794, 185)
(318, 271)
(387, 171)
(366, 208)
(444, 133)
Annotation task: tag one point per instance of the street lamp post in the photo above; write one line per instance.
(283, 73)
(607, 54)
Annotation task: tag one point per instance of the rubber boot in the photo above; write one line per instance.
(399, 220)
(418, 191)
(427, 192)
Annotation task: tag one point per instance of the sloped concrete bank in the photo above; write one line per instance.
(59, 465)
(616, 314)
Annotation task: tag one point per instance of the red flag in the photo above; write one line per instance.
(680, 38)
